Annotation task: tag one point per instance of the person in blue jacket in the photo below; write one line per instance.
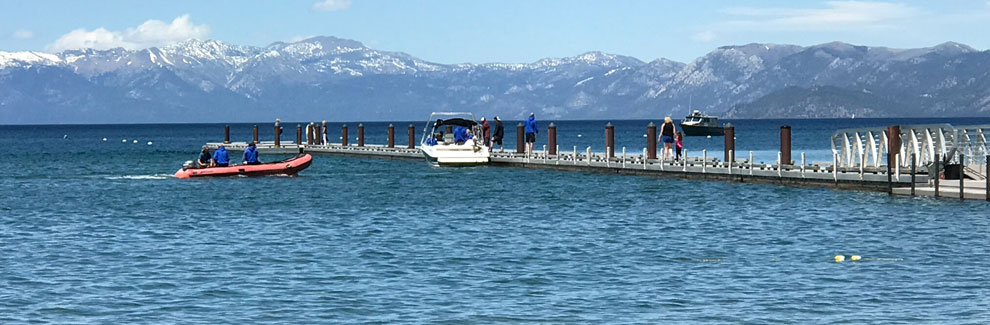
(251, 155)
(220, 157)
(531, 131)
(461, 135)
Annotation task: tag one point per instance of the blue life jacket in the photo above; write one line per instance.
(251, 155)
(221, 157)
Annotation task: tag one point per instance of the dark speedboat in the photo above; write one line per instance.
(701, 124)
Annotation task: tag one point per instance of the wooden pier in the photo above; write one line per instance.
(706, 166)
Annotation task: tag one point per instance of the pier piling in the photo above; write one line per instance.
(552, 138)
(360, 134)
(729, 133)
(298, 134)
(343, 135)
(520, 142)
(391, 136)
(412, 135)
(785, 145)
(651, 141)
(255, 133)
(226, 134)
(278, 136)
(894, 141)
(610, 140)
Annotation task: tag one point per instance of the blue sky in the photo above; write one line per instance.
(448, 31)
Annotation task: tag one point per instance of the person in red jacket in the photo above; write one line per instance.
(486, 132)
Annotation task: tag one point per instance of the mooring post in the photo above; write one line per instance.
(255, 134)
(324, 135)
(226, 134)
(938, 173)
(391, 136)
(343, 135)
(802, 164)
(278, 136)
(779, 164)
(318, 134)
(729, 132)
(575, 155)
(651, 141)
(894, 143)
(299, 135)
(835, 167)
(683, 165)
(412, 135)
(962, 176)
(552, 138)
(360, 134)
(589, 155)
(520, 142)
(609, 140)
(785, 145)
(309, 133)
(913, 170)
(623, 157)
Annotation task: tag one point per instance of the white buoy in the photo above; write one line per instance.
(104, 139)
(65, 136)
(709, 137)
(579, 135)
(644, 135)
(123, 141)
(135, 141)
(149, 143)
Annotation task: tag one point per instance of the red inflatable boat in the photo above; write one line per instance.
(289, 166)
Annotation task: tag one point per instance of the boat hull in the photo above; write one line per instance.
(290, 167)
(456, 155)
(692, 130)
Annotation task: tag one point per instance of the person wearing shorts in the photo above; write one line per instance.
(667, 131)
(531, 131)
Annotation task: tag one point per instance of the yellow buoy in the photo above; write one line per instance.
(839, 258)
(855, 257)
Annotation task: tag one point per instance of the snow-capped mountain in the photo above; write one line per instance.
(340, 79)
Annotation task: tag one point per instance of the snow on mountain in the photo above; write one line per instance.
(345, 79)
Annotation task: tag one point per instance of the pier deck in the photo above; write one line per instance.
(701, 168)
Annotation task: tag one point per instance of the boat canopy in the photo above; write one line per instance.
(455, 122)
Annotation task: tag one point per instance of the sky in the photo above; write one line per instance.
(511, 31)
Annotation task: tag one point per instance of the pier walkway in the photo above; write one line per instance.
(859, 161)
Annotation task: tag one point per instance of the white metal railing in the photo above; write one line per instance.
(867, 147)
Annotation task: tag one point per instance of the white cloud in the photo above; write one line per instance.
(22, 34)
(837, 15)
(704, 36)
(150, 33)
(332, 5)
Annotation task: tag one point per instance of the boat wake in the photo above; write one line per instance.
(140, 177)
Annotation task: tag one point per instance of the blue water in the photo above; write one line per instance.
(97, 232)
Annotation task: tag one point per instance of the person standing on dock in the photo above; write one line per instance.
(499, 133)
(486, 132)
(667, 131)
(531, 131)
(220, 157)
(325, 139)
(251, 155)
(678, 145)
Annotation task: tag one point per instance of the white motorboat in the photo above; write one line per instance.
(447, 141)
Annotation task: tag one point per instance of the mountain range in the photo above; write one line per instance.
(328, 78)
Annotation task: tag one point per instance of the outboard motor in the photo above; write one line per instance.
(189, 164)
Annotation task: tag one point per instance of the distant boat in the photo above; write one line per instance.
(701, 124)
